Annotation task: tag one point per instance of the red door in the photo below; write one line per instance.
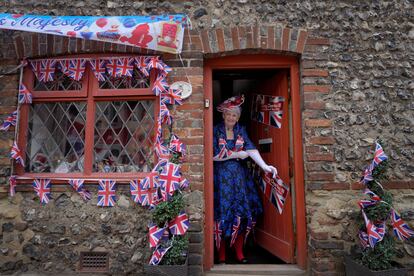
(274, 231)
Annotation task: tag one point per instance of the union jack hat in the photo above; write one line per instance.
(231, 103)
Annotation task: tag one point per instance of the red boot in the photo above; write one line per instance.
(238, 246)
(222, 252)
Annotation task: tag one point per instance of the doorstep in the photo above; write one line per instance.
(255, 269)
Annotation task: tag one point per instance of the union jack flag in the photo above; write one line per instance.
(47, 70)
(176, 145)
(169, 179)
(235, 230)
(217, 233)
(270, 111)
(158, 255)
(76, 69)
(112, 67)
(149, 197)
(106, 193)
(16, 154)
(373, 195)
(279, 193)
(224, 151)
(367, 176)
(42, 189)
(379, 155)
(142, 64)
(366, 203)
(77, 185)
(155, 63)
(160, 85)
(363, 238)
(64, 66)
(265, 185)
(12, 185)
(136, 191)
(238, 146)
(37, 68)
(154, 234)
(25, 97)
(162, 151)
(11, 120)
(160, 165)
(125, 67)
(400, 228)
(165, 114)
(180, 224)
(249, 228)
(173, 96)
(151, 181)
(184, 184)
(99, 68)
(375, 234)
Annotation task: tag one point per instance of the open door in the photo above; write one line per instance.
(274, 231)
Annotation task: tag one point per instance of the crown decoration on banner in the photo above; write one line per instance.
(375, 230)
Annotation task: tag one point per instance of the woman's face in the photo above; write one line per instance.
(230, 118)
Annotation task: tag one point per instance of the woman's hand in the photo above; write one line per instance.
(270, 169)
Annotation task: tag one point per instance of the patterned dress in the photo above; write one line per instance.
(236, 201)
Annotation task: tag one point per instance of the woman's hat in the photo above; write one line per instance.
(231, 103)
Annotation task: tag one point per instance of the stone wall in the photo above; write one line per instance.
(356, 69)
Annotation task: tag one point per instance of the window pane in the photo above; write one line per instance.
(138, 80)
(56, 137)
(61, 82)
(123, 136)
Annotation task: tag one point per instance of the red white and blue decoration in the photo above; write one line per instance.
(235, 230)
(160, 33)
(25, 96)
(268, 110)
(154, 234)
(180, 224)
(16, 154)
(173, 96)
(176, 145)
(400, 227)
(106, 193)
(169, 179)
(379, 156)
(12, 185)
(10, 120)
(217, 233)
(42, 189)
(158, 254)
(77, 185)
(275, 190)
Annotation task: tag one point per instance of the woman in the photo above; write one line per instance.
(236, 202)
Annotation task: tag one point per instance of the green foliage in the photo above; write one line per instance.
(177, 253)
(167, 210)
(381, 256)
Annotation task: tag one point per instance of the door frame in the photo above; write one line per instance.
(252, 61)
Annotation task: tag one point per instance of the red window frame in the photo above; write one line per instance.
(90, 93)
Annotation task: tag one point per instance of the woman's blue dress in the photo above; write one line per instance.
(235, 194)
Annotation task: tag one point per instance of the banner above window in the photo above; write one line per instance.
(162, 33)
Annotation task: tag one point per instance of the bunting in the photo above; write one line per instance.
(25, 96)
(42, 190)
(10, 120)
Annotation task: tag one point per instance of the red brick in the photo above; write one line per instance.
(357, 186)
(196, 132)
(318, 123)
(313, 149)
(325, 266)
(285, 39)
(319, 235)
(322, 140)
(205, 41)
(35, 45)
(193, 140)
(317, 41)
(318, 105)
(220, 40)
(7, 109)
(321, 176)
(317, 88)
(270, 37)
(235, 38)
(320, 157)
(335, 186)
(314, 73)
(301, 41)
(312, 167)
(397, 184)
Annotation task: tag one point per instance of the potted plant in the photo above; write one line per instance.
(377, 251)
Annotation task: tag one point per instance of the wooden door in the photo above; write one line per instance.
(274, 231)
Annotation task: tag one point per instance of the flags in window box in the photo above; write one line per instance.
(154, 234)
(180, 224)
(98, 68)
(106, 193)
(12, 185)
(25, 97)
(375, 233)
(77, 185)
(158, 255)
(160, 85)
(172, 96)
(42, 189)
(16, 154)
(400, 228)
(363, 239)
(169, 179)
(11, 120)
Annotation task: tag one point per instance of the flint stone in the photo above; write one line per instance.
(8, 227)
